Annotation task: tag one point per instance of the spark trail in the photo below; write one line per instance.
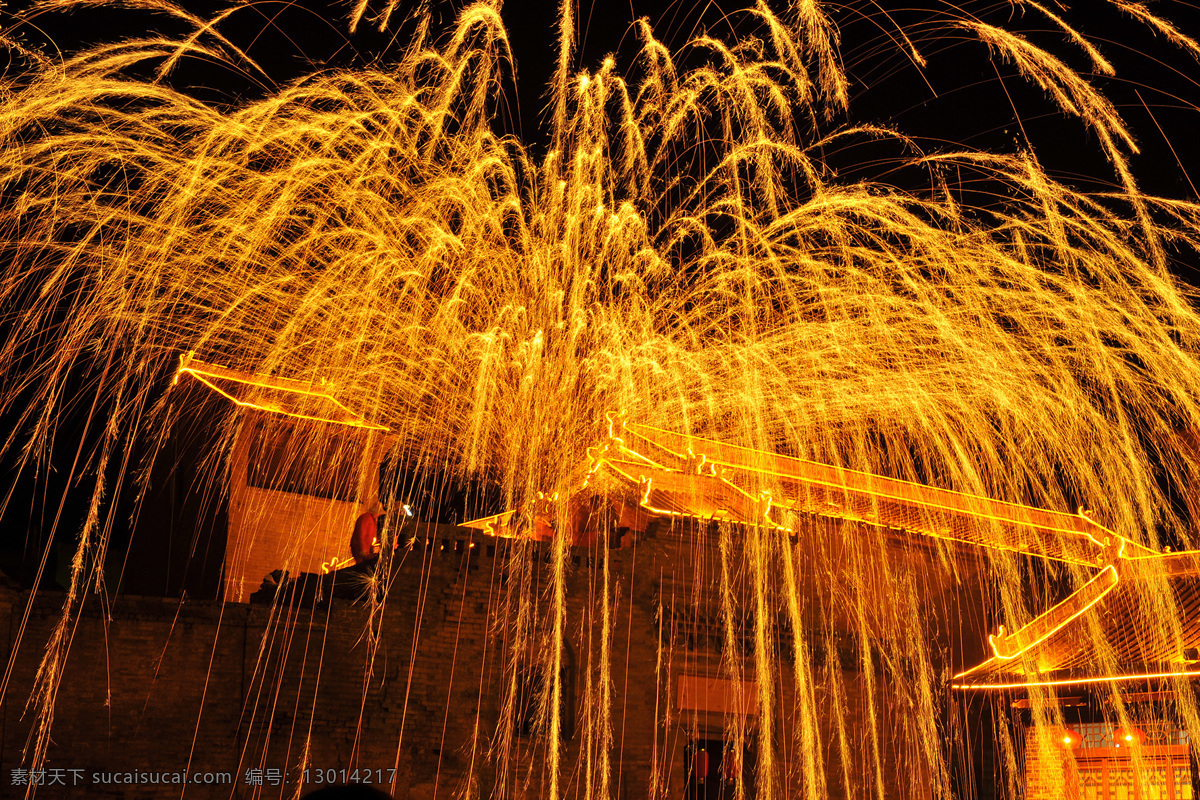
(682, 252)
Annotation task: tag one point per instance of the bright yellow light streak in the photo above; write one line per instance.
(208, 373)
(1008, 647)
(494, 525)
(882, 488)
(1078, 681)
(754, 465)
(336, 563)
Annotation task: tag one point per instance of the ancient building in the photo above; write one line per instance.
(694, 616)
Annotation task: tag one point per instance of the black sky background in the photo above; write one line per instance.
(962, 97)
(956, 99)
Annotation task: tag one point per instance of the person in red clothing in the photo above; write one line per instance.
(364, 542)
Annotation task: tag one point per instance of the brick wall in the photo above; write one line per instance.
(271, 529)
(418, 684)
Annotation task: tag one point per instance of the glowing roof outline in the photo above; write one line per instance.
(210, 374)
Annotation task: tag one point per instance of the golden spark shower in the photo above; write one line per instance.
(710, 467)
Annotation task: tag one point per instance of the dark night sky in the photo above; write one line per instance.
(956, 100)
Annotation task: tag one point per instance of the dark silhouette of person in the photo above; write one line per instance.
(364, 541)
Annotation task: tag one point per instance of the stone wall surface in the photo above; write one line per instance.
(415, 685)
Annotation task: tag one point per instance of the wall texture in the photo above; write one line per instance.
(418, 685)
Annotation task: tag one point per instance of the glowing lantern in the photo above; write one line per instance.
(1070, 739)
(1127, 737)
(731, 765)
